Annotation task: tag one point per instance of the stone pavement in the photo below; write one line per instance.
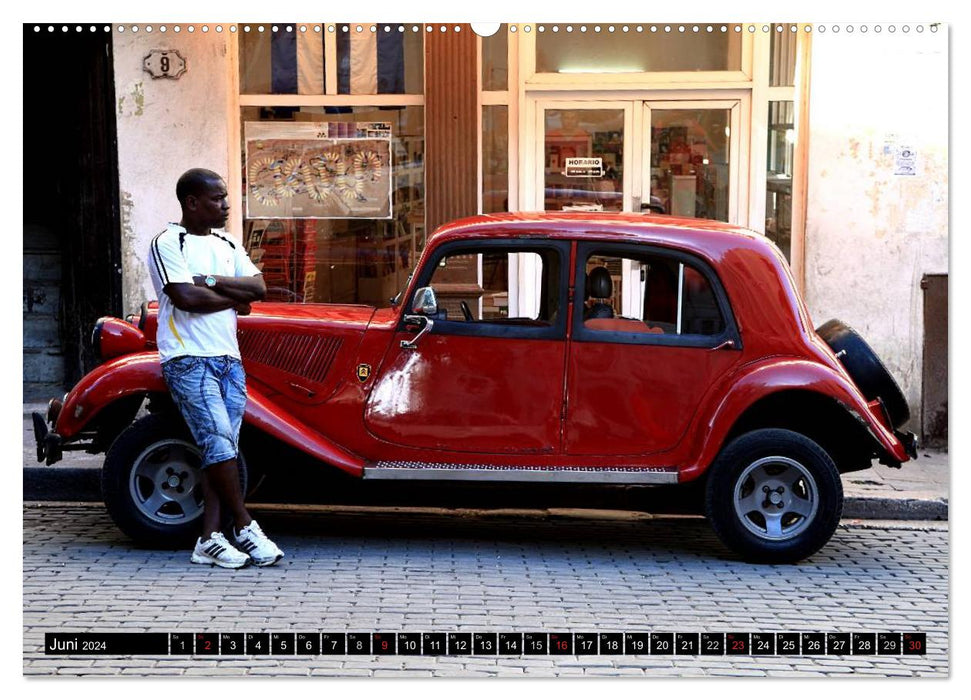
(917, 491)
(384, 571)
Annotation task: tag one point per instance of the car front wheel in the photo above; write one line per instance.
(774, 496)
(151, 482)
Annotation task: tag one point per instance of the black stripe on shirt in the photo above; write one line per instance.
(157, 257)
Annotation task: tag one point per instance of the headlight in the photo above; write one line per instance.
(113, 337)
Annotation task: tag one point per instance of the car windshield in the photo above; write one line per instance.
(396, 299)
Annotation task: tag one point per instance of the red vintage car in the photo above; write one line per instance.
(536, 348)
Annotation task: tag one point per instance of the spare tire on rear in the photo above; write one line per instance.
(866, 369)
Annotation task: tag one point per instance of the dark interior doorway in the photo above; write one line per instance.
(71, 230)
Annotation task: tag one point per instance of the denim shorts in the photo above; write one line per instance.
(211, 395)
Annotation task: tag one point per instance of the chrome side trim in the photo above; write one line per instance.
(489, 472)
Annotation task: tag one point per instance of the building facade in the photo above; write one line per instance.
(344, 144)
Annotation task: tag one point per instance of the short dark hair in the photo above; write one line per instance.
(195, 182)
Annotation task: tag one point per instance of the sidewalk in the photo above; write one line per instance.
(919, 490)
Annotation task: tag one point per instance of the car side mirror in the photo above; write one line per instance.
(425, 302)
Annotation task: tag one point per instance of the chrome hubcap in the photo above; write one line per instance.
(164, 483)
(776, 498)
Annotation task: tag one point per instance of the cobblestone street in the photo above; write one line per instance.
(385, 571)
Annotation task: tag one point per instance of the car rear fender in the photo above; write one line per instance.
(759, 380)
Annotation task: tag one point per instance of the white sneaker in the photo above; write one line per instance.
(258, 546)
(217, 551)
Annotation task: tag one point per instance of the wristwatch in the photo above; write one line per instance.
(210, 281)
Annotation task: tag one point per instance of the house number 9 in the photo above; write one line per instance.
(164, 64)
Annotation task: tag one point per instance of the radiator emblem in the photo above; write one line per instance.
(363, 373)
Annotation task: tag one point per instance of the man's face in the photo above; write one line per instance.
(211, 206)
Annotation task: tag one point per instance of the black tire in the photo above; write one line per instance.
(743, 486)
(869, 373)
(150, 482)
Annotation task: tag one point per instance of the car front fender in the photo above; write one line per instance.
(141, 373)
(761, 379)
(271, 419)
(138, 373)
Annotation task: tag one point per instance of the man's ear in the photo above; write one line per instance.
(191, 202)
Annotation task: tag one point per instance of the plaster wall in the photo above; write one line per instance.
(165, 127)
(871, 233)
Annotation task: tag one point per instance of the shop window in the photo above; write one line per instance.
(334, 224)
(614, 52)
(495, 158)
(495, 61)
(649, 294)
(782, 65)
(388, 60)
(778, 188)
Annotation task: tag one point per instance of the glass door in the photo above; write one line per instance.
(584, 154)
(693, 164)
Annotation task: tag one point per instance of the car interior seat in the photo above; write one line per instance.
(599, 288)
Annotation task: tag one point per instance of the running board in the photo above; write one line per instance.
(490, 472)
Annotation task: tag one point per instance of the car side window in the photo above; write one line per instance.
(474, 286)
(649, 293)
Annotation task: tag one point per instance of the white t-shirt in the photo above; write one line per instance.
(176, 256)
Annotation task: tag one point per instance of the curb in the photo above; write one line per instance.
(84, 484)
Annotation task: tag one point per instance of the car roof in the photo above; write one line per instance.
(694, 233)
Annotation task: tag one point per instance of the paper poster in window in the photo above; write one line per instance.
(318, 170)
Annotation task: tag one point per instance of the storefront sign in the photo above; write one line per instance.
(318, 170)
(583, 167)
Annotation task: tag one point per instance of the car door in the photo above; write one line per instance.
(654, 334)
(481, 380)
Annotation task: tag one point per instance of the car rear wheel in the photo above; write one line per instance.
(774, 496)
(864, 366)
(151, 482)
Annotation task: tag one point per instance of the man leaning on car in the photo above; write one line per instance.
(203, 280)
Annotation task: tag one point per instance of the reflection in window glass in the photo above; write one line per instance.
(368, 63)
(589, 52)
(782, 65)
(584, 162)
(358, 261)
(689, 161)
(495, 62)
(495, 158)
(649, 294)
(778, 187)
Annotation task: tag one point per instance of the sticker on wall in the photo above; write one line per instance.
(905, 161)
(318, 170)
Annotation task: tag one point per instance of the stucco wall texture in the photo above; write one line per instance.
(871, 233)
(165, 127)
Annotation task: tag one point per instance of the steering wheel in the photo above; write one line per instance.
(466, 312)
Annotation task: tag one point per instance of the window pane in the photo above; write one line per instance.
(782, 66)
(649, 294)
(495, 158)
(596, 182)
(495, 62)
(778, 186)
(362, 261)
(689, 161)
(380, 62)
(480, 281)
(632, 52)
(368, 63)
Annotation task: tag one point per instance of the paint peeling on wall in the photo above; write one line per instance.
(134, 273)
(131, 102)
